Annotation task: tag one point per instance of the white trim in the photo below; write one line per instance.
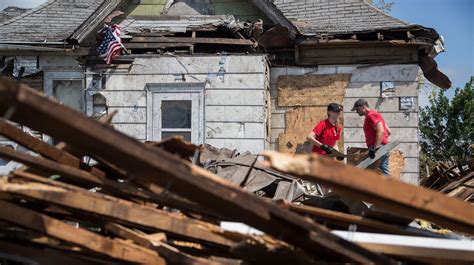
(186, 91)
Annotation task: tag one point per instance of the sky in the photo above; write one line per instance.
(453, 19)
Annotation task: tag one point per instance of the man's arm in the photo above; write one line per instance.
(312, 139)
(388, 129)
(378, 134)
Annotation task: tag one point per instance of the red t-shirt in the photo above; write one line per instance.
(371, 119)
(326, 133)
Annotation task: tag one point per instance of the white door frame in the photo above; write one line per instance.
(172, 91)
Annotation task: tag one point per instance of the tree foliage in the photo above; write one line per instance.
(385, 6)
(447, 126)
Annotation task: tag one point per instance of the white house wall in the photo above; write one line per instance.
(365, 83)
(234, 88)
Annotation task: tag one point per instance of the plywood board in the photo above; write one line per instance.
(396, 163)
(299, 122)
(312, 90)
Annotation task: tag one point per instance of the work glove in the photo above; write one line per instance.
(326, 148)
(372, 152)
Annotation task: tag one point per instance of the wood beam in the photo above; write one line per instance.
(78, 236)
(17, 102)
(73, 174)
(333, 217)
(17, 135)
(369, 186)
(117, 209)
(170, 253)
(190, 40)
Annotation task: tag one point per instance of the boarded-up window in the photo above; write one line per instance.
(309, 95)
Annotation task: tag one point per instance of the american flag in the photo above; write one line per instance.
(111, 45)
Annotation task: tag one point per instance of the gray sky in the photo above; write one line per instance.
(20, 3)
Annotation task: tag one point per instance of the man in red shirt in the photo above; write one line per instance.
(326, 133)
(376, 132)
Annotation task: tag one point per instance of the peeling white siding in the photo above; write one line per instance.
(365, 83)
(234, 92)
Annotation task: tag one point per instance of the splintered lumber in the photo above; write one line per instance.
(120, 210)
(55, 228)
(74, 174)
(385, 192)
(15, 134)
(171, 254)
(49, 151)
(18, 102)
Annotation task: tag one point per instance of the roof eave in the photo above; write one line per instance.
(276, 16)
(93, 22)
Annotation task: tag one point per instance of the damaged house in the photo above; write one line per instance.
(247, 75)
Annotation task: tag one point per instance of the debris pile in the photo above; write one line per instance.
(456, 181)
(161, 203)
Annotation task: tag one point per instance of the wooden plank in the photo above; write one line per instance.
(123, 211)
(153, 45)
(219, 41)
(160, 196)
(312, 90)
(21, 252)
(179, 176)
(369, 186)
(17, 135)
(171, 254)
(72, 174)
(381, 152)
(78, 236)
(347, 219)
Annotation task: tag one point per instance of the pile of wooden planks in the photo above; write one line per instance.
(455, 181)
(148, 203)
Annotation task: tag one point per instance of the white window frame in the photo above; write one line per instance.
(156, 93)
(61, 75)
(51, 76)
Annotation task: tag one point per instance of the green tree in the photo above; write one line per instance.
(385, 6)
(447, 127)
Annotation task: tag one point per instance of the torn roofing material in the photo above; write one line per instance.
(319, 18)
(53, 21)
(137, 25)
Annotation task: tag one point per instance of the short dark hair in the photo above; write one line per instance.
(359, 103)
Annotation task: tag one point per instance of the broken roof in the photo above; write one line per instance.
(53, 21)
(338, 17)
(135, 25)
(332, 17)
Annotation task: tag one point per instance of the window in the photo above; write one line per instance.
(174, 111)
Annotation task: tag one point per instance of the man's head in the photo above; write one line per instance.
(361, 107)
(334, 110)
